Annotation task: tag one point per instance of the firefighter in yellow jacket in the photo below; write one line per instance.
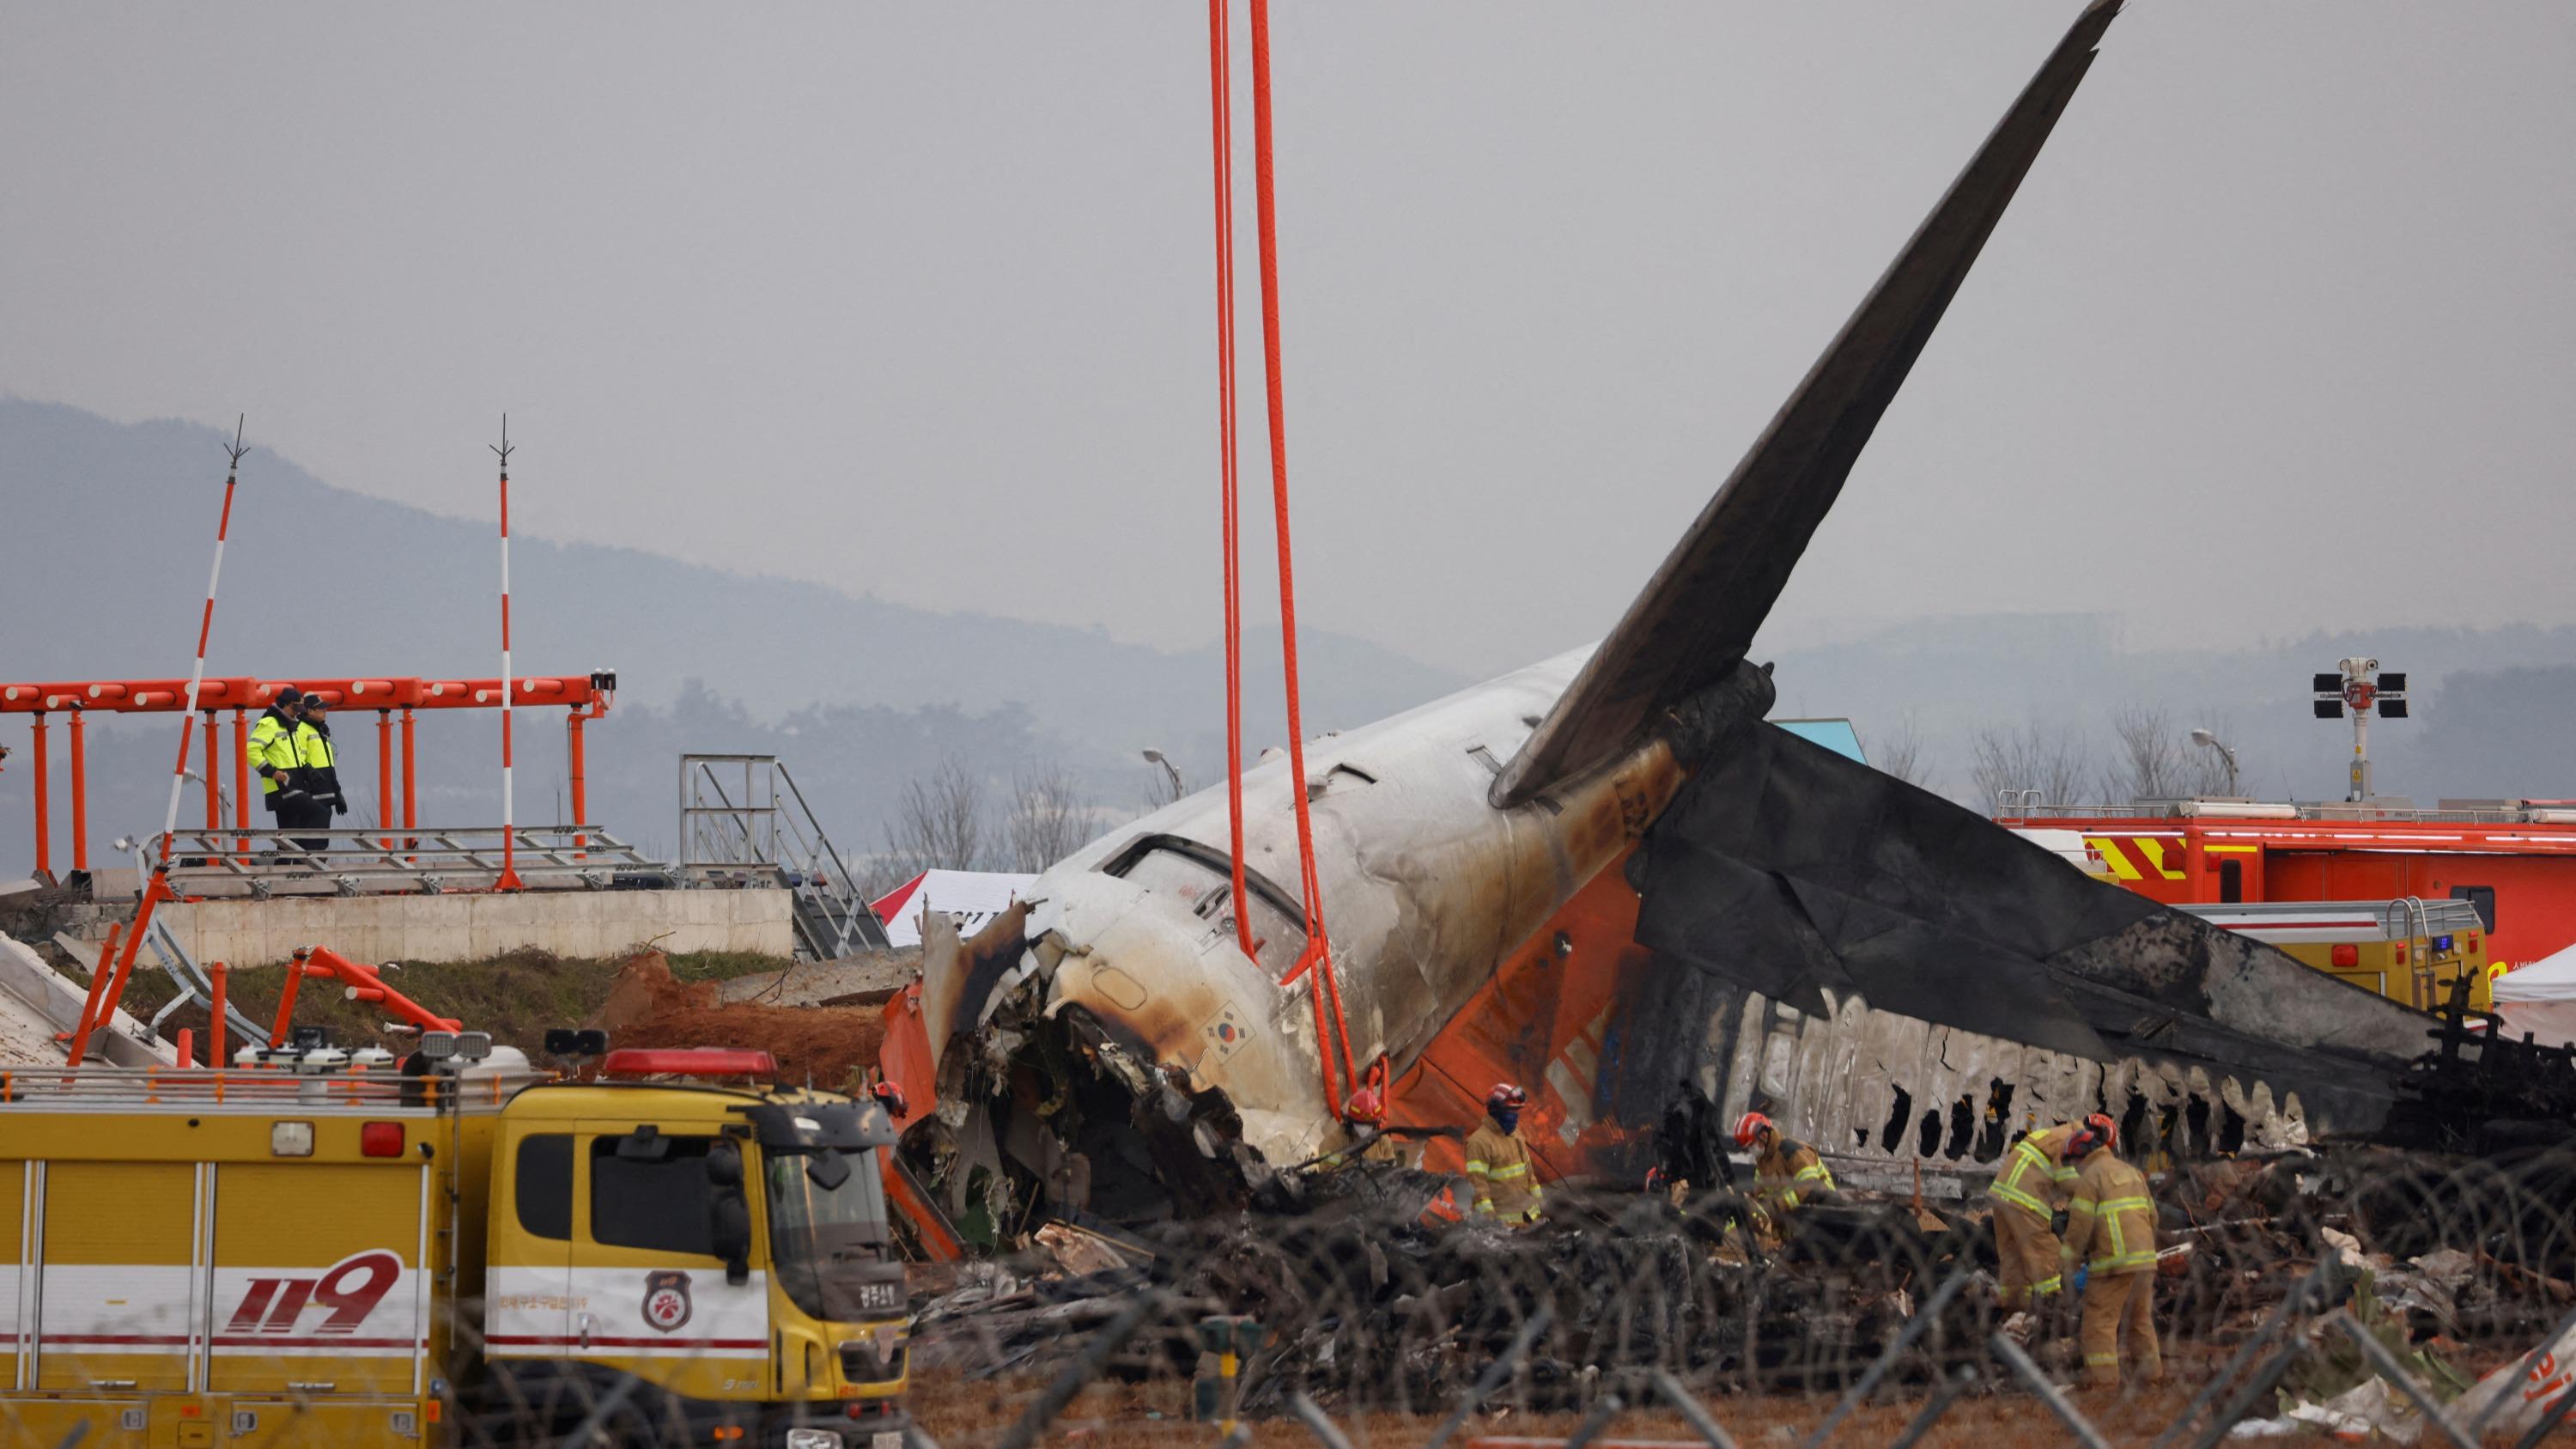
(2033, 1183)
(1364, 1118)
(1499, 1162)
(2111, 1231)
(1787, 1173)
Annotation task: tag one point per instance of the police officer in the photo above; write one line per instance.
(272, 753)
(317, 773)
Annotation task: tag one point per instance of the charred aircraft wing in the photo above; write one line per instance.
(1791, 870)
(1697, 616)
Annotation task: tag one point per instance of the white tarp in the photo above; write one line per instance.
(970, 898)
(2540, 999)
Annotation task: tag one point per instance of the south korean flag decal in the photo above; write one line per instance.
(666, 1300)
(1224, 1033)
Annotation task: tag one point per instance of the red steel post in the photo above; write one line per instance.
(80, 794)
(580, 782)
(214, 791)
(44, 826)
(215, 1033)
(98, 975)
(241, 776)
(410, 795)
(385, 771)
(286, 998)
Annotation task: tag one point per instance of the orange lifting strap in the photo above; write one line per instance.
(1331, 1035)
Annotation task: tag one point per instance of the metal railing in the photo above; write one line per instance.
(743, 819)
(354, 861)
(2019, 805)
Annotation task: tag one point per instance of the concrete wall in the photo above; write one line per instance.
(471, 927)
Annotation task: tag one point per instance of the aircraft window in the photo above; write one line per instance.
(544, 1190)
(1203, 879)
(2482, 897)
(665, 1204)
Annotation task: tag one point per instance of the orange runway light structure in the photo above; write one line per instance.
(585, 697)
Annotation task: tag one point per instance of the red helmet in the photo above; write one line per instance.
(1749, 1126)
(890, 1095)
(2101, 1122)
(1506, 1098)
(1365, 1106)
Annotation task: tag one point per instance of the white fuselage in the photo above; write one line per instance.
(1426, 888)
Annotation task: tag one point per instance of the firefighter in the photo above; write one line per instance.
(2111, 1231)
(1500, 1162)
(272, 753)
(1364, 1118)
(317, 772)
(2034, 1183)
(1787, 1173)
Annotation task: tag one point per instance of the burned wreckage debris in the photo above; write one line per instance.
(1366, 1306)
(1604, 875)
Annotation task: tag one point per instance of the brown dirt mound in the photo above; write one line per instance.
(647, 1006)
(822, 1044)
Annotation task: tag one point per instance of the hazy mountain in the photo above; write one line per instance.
(2489, 707)
(108, 527)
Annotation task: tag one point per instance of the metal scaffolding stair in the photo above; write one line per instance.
(744, 822)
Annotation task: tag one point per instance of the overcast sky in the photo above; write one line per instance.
(917, 300)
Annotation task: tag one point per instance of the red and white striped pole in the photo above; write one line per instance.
(159, 885)
(509, 880)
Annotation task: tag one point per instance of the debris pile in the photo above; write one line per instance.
(1368, 1303)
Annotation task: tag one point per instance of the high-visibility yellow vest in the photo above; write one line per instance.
(2110, 1221)
(272, 744)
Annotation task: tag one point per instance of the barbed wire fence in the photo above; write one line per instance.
(2368, 1287)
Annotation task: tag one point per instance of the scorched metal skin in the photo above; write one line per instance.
(1602, 874)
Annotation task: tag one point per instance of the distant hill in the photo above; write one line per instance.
(2491, 707)
(110, 526)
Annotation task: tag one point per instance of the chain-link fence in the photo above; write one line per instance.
(2360, 1292)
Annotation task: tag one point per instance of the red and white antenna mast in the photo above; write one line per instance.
(104, 997)
(509, 880)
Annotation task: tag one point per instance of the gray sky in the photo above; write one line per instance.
(917, 299)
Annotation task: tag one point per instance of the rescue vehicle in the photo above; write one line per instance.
(2513, 861)
(320, 1247)
(2409, 950)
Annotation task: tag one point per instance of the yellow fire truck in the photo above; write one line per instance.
(2407, 950)
(327, 1249)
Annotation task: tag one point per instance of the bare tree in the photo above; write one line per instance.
(939, 823)
(1903, 754)
(2049, 759)
(2155, 758)
(2147, 759)
(1049, 818)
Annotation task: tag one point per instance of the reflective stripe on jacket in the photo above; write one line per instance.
(317, 768)
(2110, 1222)
(1504, 1173)
(272, 749)
(2036, 1176)
(1789, 1174)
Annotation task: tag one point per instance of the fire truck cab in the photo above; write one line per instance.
(310, 1251)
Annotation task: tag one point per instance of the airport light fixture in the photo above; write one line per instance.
(2204, 737)
(2359, 687)
(1156, 757)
